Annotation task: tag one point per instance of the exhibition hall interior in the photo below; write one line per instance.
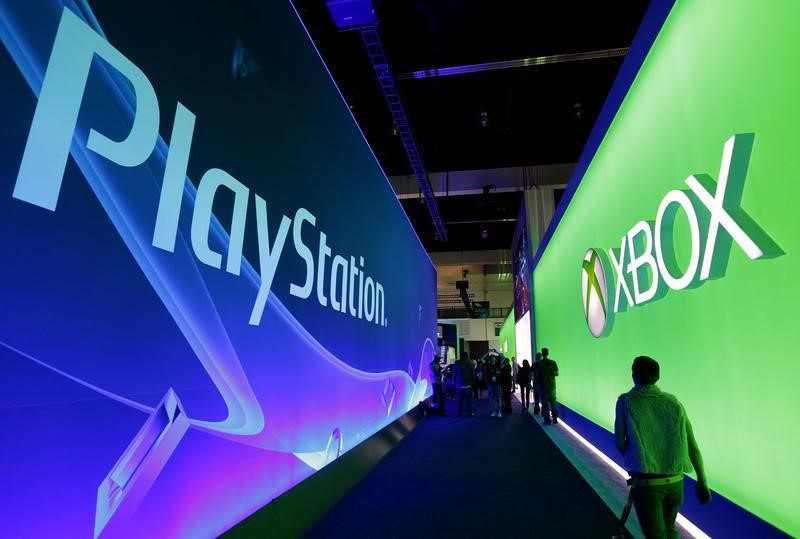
(399, 268)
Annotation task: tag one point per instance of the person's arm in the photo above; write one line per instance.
(702, 490)
(555, 368)
(620, 433)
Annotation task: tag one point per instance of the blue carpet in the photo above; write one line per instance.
(471, 477)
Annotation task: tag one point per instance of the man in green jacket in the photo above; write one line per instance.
(654, 435)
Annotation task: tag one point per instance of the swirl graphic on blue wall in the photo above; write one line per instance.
(166, 448)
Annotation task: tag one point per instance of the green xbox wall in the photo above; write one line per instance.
(728, 349)
(507, 336)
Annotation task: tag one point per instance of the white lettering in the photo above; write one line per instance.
(268, 258)
(302, 215)
(664, 241)
(622, 285)
(719, 215)
(210, 183)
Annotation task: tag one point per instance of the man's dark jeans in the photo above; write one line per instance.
(438, 397)
(657, 507)
(464, 394)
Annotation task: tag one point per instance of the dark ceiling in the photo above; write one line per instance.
(535, 115)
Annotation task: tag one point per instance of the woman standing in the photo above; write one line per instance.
(524, 381)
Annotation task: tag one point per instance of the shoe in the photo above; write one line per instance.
(555, 420)
(493, 414)
(547, 422)
(472, 414)
(499, 415)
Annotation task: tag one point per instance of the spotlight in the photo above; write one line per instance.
(484, 233)
(484, 119)
(577, 110)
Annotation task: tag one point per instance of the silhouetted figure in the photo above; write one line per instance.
(524, 383)
(506, 379)
(536, 382)
(653, 433)
(480, 380)
(548, 371)
(493, 383)
(437, 378)
(465, 377)
(515, 371)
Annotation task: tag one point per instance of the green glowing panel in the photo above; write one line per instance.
(705, 145)
(507, 340)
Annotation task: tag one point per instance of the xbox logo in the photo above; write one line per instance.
(595, 294)
(712, 208)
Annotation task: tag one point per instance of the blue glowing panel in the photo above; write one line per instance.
(351, 13)
(208, 290)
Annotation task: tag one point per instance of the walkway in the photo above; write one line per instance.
(472, 477)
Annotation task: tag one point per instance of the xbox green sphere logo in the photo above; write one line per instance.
(595, 293)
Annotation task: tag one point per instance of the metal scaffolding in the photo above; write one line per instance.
(360, 15)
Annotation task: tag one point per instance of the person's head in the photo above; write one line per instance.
(645, 371)
(437, 359)
(545, 352)
(525, 363)
(538, 356)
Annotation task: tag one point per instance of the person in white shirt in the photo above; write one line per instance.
(654, 435)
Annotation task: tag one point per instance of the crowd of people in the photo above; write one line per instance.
(652, 431)
(499, 376)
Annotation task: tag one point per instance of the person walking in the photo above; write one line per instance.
(549, 371)
(480, 380)
(437, 378)
(536, 382)
(493, 383)
(655, 437)
(465, 377)
(515, 371)
(506, 379)
(524, 383)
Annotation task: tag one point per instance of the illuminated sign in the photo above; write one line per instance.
(646, 261)
(707, 282)
(196, 325)
(42, 170)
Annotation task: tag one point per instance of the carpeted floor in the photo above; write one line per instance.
(471, 477)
